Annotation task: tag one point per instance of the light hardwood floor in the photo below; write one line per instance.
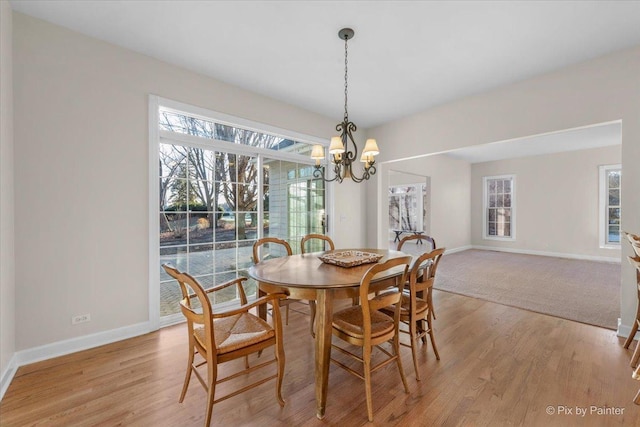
(499, 366)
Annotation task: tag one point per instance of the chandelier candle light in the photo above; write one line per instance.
(340, 154)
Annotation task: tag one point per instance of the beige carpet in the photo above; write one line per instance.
(584, 291)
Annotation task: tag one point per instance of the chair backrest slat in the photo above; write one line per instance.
(260, 243)
(189, 287)
(315, 236)
(175, 273)
(423, 270)
(385, 298)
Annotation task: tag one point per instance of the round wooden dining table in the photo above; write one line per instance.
(305, 276)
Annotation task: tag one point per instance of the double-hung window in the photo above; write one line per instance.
(499, 207)
(610, 206)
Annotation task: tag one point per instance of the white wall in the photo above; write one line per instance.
(598, 91)
(81, 162)
(406, 178)
(450, 198)
(349, 216)
(557, 206)
(347, 220)
(7, 259)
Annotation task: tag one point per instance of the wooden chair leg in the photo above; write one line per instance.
(634, 329)
(413, 334)
(207, 420)
(286, 321)
(636, 376)
(279, 350)
(430, 301)
(366, 357)
(433, 338)
(422, 329)
(187, 376)
(396, 347)
(636, 356)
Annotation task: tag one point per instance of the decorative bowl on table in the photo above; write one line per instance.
(349, 258)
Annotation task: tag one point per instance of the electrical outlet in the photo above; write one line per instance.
(80, 318)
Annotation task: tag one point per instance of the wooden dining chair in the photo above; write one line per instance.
(431, 240)
(635, 261)
(367, 327)
(273, 247)
(634, 240)
(325, 240)
(636, 376)
(414, 309)
(221, 336)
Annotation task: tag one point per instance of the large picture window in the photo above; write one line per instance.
(610, 197)
(499, 207)
(221, 187)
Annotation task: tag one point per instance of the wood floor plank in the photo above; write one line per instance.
(499, 366)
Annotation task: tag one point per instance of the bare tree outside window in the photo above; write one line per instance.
(236, 176)
(406, 211)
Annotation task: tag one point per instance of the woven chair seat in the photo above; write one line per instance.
(350, 322)
(421, 306)
(234, 332)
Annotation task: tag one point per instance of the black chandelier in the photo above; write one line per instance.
(341, 156)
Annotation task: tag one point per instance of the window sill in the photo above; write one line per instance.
(610, 247)
(500, 239)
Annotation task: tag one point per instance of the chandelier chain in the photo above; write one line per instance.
(346, 114)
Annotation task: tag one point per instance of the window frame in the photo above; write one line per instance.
(485, 207)
(603, 205)
(157, 136)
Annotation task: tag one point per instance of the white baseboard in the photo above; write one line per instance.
(7, 375)
(85, 342)
(459, 249)
(72, 345)
(551, 254)
(624, 330)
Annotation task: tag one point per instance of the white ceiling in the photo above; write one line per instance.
(405, 57)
